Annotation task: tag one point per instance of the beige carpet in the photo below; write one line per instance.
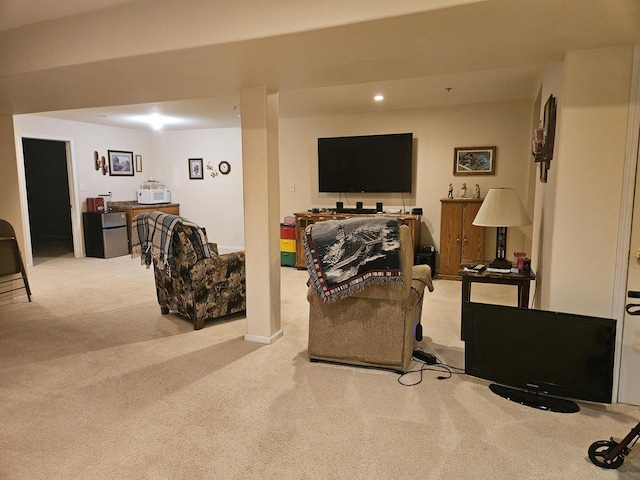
(96, 384)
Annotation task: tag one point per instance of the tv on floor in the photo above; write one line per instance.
(540, 358)
(367, 163)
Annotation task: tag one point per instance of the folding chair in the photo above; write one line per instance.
(11, 260)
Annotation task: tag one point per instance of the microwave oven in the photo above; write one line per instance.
(149, 196)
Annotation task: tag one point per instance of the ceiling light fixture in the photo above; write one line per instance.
(156, 120)
(378, 98)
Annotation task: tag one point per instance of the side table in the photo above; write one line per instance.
(521, 280)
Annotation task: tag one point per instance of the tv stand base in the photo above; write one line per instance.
(535, 400)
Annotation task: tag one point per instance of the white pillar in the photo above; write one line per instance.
(259, 114)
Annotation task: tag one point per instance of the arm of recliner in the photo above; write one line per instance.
(422, 274)
(229, 267)
(420, 279)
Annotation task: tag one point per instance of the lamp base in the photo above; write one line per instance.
(501, 263)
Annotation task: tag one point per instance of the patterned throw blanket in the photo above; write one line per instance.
(151, 238)
(346, 256)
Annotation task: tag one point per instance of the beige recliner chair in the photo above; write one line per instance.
(374, 327)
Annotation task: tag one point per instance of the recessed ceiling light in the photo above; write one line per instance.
(378, 98)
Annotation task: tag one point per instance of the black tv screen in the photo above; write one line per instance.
(369, 163)
(550, 353)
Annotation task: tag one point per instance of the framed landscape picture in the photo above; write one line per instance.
(474, 161)
(120, 163)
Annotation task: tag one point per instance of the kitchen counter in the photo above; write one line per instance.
(133, 208)
(133, 204)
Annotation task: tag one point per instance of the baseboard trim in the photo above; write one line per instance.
(260, 339)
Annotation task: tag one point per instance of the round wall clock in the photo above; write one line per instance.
(224, 167)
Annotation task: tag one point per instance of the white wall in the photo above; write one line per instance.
(83, 139)
(589, 169)
(436, 131)
(545, 193)
(213, 203)
(9, 188)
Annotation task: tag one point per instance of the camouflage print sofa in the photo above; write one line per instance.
(200, 288)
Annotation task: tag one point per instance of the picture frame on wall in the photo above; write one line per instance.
(549, 126)
(474, 161)
(549, 138)
(195, 169)
(120, 163)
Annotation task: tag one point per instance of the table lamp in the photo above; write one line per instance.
(501, 208)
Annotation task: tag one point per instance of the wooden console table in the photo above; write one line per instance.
(304, 219)
(521, 280)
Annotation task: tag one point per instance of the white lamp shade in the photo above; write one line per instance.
(501, 208)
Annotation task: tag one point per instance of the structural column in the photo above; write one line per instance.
(261, 183)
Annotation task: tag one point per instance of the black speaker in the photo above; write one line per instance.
(339, 205)
(359, 205)
(426, 258)
(416, 211)
(378, 206)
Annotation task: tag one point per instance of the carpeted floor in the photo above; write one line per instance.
(96, 384)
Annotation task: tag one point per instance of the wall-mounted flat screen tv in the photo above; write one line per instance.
(368, 163)
(536, 355)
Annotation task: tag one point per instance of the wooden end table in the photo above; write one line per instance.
(521, 280)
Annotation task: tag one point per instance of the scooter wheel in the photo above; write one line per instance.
(598, 452)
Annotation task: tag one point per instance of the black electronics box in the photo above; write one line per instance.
(427, 257)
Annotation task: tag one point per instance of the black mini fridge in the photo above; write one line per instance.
(105, 234)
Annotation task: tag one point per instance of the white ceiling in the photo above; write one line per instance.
(16, 13)
(220, 112)
(483, 51)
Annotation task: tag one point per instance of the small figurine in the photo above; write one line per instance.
(464, 190)
(450, 194)
(477, 194)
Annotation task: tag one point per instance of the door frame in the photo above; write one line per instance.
(73, 194)
(626, 215)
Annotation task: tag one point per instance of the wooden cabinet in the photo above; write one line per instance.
(304, 219)
(132, 209)
(460, 240)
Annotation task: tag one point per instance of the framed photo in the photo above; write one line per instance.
(120, 163)
(195, 169)
(474, 161)
(138, 163)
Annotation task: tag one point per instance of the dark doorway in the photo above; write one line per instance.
(49, 203)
